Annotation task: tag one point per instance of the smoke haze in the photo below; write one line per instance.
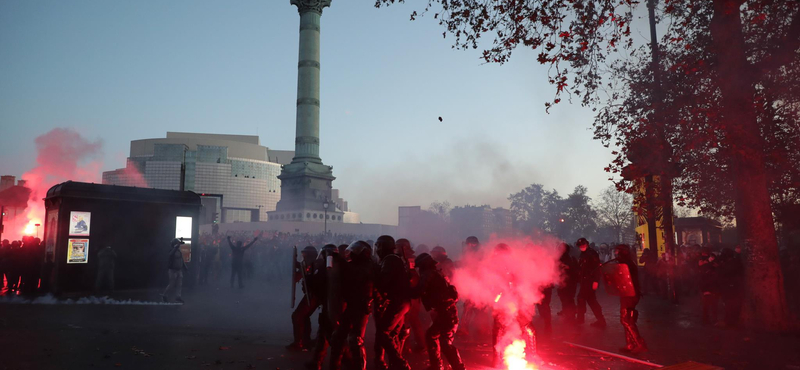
(470, 171)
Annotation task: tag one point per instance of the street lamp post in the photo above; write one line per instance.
(325, 206)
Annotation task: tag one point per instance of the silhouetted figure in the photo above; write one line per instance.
(301, 317)
(358, 285)
(569, 286)
(175, 267)
(106, 259)
(393, 284)
(237, 258)
(471, 248)
(589, 276)
(439, 297)
(628, 315)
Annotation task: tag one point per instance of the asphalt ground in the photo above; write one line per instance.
(224, 328)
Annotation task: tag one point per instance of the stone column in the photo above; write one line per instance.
(306, 144)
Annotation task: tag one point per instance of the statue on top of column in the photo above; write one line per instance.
(311, 5)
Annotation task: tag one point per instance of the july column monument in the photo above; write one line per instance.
(306, 182)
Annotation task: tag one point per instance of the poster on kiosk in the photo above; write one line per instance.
(183, 231)
(79, 223)
(78, 243)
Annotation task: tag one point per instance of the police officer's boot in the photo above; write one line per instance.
(625, 318)
(639, 344)
(434, 353)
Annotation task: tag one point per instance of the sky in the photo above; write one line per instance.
(118, 71)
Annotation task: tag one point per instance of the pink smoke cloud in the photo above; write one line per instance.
(509, 282)
(62, 155)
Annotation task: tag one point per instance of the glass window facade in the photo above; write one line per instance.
(248, 188)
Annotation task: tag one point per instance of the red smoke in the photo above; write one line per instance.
(509, 282)
(62, 155)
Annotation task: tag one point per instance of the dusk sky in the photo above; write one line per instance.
(125, 70)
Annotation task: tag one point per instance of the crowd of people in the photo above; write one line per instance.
(21, 265)
(400, 280)
(715, 275)
(266, 259)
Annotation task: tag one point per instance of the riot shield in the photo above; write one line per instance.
(291, 279)
(618, 281)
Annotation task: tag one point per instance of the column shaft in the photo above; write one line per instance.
(308, 68)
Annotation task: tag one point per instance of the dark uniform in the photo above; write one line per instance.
(438, 296)
(589, 275)
(393, 285)
(568, 287)
(628, 315)
(301, 317)
(318, 283)
(358, 284)
(237, 259)
(471, 247)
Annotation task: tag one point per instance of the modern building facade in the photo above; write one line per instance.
(234, 174)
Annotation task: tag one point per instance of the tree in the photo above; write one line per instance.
(579, 215)
(440, 209)
(536, 209)
(528, 208)
(615, 210)
(579, 39)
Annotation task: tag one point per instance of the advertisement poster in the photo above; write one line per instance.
(79, 223)
(78, 251)
(51, 229)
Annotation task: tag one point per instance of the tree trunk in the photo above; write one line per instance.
(766, 300)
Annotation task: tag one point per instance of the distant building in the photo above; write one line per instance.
(7, 181)
(481, 221)
(236, 177)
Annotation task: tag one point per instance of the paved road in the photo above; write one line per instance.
(223, 328)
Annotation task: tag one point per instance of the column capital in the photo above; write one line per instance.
(311, 5)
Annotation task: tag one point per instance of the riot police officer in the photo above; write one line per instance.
(301, 317)
(628, 315)
(358, 284)
(440, 297)
(393, 285)
(319, 284)
(471, 248)
(589, 281)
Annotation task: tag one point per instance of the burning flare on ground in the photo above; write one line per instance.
(509, 281)
(514, 356)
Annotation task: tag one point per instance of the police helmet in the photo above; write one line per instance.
(473, 240)
(425, 261)
(438, 251)
(359, 250)
(385, 245)
(623, 251)
(404, 248)
(311, 251)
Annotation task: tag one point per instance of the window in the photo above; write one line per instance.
(308, 215)
(315, 215)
